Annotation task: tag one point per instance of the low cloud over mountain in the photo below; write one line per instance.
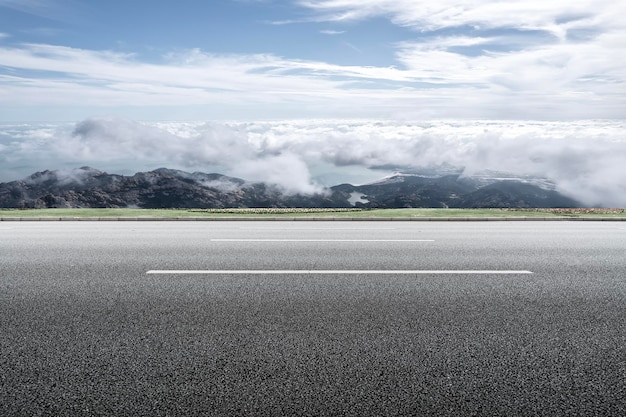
(168, 188)
(583, 159)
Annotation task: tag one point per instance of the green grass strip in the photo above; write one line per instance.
(294, 212)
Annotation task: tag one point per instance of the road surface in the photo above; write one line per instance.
(312, 318)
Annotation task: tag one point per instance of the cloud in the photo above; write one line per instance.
(487, 87)
(521, 14)
(584, 159)
(332, 32)
(485, 60)
(540, 57)
(206, 146)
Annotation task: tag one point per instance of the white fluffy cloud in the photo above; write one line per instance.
(584, 158)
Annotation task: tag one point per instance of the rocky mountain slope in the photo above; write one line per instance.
(167, 188)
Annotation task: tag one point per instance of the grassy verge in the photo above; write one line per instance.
(337, 213)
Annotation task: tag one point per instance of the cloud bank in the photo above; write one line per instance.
(584, 159)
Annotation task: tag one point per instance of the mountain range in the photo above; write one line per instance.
(169, 188)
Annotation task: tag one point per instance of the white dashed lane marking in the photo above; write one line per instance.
(334, 272)
(322, 240)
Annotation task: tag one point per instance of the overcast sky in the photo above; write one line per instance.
(277, 59)
(309, 93)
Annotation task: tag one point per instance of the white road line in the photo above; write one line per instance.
(334, 272)
(318, 228)
(322, 240)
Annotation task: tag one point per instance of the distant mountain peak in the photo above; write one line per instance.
(397, 177)
(171, 188)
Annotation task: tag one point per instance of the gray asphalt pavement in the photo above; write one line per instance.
(86, 330)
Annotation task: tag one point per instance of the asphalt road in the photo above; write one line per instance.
(86, 330)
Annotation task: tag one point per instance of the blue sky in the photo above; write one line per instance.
(282, 59)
